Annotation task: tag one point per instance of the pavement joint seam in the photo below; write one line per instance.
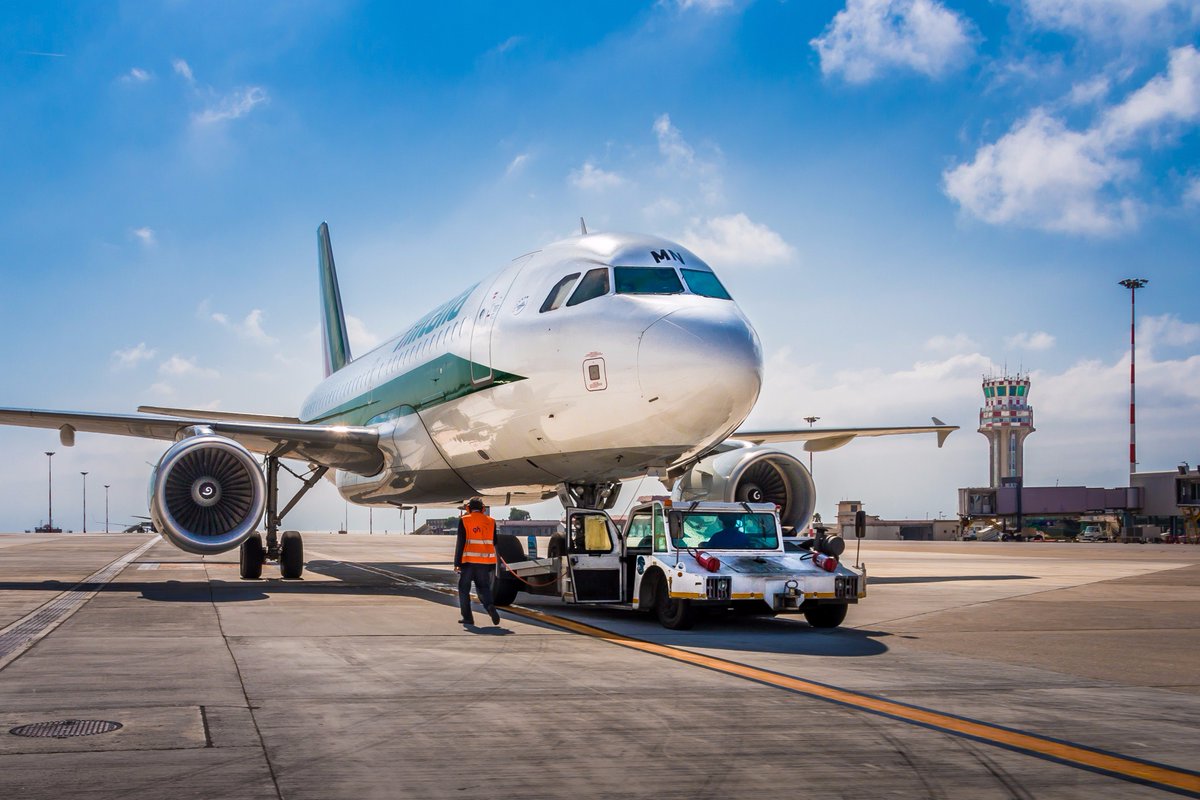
(250, 707)
(16, 639)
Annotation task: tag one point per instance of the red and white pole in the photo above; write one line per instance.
(1133, 284)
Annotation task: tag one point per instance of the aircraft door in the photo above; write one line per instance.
(594, 556)
(485, 322)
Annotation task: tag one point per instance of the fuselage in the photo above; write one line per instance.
(596, 359)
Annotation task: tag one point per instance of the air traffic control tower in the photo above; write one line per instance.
(1006, 419)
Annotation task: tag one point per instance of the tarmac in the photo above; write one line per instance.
(971, 669)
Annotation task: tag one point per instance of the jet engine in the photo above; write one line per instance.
(753, 475)
(206, 494)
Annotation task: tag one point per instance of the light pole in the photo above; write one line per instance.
(84, 474)
(1132, 284)
(810, 421)
(106, 507)
(50, 490)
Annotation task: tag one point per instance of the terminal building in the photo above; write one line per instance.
(1156, 506)
(909, 530)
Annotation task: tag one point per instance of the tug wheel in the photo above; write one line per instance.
(826, 616)
(676, 613)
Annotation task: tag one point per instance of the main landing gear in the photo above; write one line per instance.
(287, 550)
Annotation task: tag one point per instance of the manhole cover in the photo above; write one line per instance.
(66, 728)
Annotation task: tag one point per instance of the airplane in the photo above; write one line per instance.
(595, 360)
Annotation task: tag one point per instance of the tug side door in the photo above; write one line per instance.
(593, 556)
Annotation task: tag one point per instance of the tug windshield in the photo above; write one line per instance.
(732, 530)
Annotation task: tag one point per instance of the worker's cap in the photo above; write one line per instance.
(476, 504)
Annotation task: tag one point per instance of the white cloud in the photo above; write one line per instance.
(178, 366)
(707, 6)
(237, 103)
(182, 69)
(163, 390)
(1167, 329)
(144, 235)
(1039, 340)
(736, 241)
(1044, 175)
(361, 339)
(683, 164)
(1191, 193)
(1089, 92)
(672, 144)
(250, 328)
(136, 75)
(1130, 20)
(871, 37)
(517, 165)
(507, 44)
(958, 343)
(589, 177)
(134, 355)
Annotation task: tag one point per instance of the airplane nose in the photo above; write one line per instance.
(703, 369)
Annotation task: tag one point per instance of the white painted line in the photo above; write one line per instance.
(36, 625)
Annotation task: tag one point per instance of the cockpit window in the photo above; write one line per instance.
(559, 293)
(594, 284)
(705, 284)
(647, 280)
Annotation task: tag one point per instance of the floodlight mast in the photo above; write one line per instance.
(1133, 284)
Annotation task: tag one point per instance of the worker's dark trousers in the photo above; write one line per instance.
(481, 574)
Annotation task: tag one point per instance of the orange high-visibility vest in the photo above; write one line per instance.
(478, 547)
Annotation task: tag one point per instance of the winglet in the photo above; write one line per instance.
(333, 321)
(942, 434)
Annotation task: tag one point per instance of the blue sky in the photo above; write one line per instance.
(903, 195)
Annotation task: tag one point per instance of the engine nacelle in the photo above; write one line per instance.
(207, 494)
(754, 475)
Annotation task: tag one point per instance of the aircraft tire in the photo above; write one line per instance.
(827, 616)
(675, 613)
(505, 588)
(504, 591)
(291, 555)
(251, 557)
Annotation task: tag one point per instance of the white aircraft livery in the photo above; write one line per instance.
(597, 359)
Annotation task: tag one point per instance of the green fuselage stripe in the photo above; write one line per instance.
(445, 378)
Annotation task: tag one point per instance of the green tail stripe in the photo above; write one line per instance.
(333, 321)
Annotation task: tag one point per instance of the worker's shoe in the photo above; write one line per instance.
(467, 622)
(495, 615)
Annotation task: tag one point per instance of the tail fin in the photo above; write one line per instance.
(333, 321)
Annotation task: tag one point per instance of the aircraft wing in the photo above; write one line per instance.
(347, 447)
(817, 440)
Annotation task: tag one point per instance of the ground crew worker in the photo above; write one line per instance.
(475, 560)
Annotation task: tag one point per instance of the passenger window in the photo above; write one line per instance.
(705, 284)
(594, 284)
(558, 293)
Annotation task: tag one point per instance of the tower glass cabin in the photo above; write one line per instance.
(1006, 419)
